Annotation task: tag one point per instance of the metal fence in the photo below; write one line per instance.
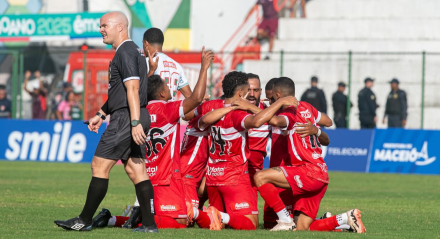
(418, 72)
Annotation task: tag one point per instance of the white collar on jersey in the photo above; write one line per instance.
(157, 101)
(122, 43)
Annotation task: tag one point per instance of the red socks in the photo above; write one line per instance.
(203, 220)
(270, 194)
(120, 220)
(240, 222)
(328, 224)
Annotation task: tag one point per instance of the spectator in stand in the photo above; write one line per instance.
(38, 94)
(340, 106)
(396, 107)
(315, 96)
(67, 88)
(5, 104)
(293, 8)
(367, 105)
(69, 108)
(268, 27)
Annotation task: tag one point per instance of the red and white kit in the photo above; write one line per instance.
(193, 159)
(258, 138)
(163, 158)
(229, 187)
(308, 175)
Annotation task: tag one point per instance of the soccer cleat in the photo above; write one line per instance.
(134, 219)
(74, 224)
(101, 220)
(216, 219)
(326, 215)
(189, 212)
(355, 222)
(284, 226)
(150, 229)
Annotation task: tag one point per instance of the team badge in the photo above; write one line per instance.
(372, 97)
(395, 96)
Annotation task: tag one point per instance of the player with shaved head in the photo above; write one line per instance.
(125, 136)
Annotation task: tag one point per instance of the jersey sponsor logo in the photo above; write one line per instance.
(215, 171)
(404, 152)
(169, 208)
(298, 181)
(151, 171)
(169, 64)
(315, 155)
(239, 206)
(305, 114)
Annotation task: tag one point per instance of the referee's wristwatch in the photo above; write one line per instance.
(135, 123)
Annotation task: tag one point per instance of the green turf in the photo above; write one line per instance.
(33, 194)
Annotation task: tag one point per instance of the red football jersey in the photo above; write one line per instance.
(228, 146)
(163, 144)
(258, 137)
(279, 156)
(194, 153)
(305, 150)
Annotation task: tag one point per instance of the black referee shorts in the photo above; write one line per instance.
(116, 141)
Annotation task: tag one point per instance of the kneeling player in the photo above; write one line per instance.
(232, 199)
(163, 146)
(307, 177)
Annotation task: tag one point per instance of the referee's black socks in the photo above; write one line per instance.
(96, 193)
(145, 194)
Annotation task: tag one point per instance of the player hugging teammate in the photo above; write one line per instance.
(223, 151)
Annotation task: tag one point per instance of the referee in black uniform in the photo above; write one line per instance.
(125, 137)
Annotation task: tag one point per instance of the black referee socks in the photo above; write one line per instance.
(145, 194)
(96, 193)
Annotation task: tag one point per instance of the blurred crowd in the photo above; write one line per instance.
(395, 108)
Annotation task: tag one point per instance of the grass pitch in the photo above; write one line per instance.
(34, 194)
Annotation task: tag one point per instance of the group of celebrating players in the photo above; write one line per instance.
(222, 153)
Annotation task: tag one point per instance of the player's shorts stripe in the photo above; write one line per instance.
(131, 78)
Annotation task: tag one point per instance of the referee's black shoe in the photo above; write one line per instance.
(74, 224)
(143, 228)
(134, 219)
(101, 220)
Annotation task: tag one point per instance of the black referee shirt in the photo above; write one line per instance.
(127, 64)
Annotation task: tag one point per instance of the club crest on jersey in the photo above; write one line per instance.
(305, 114)
(153, 118)
(151, 171)
(239, 206)
(298, 181)
(169, 208)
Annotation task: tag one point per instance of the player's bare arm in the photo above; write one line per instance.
(325, 120)
(153, 63)
(244, 104)
(214, 116)
(200, 89)
(137, 132)
(308, 129)
(267, 114)
(186, 91)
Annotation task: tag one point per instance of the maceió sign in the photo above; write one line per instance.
(77, 25)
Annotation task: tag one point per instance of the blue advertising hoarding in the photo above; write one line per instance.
(349, 150)
(50, 141)
(405, 151)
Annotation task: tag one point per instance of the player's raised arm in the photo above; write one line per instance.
(213, 116)
(200, 89)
